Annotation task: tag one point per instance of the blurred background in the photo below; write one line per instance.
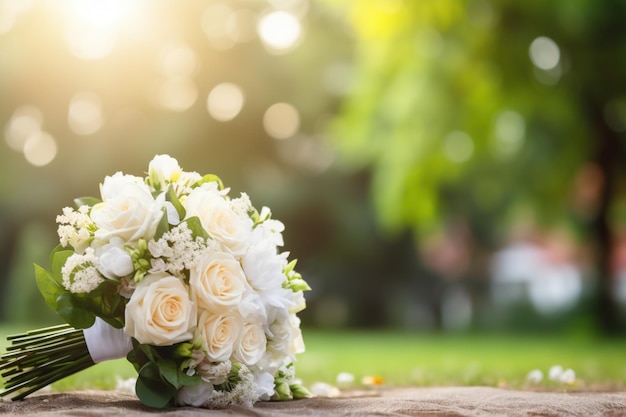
(440, 165)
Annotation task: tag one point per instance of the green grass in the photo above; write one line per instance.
(414, 359)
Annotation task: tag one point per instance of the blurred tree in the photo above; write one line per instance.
(491, 107)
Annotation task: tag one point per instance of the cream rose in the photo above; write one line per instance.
(251, 345)
(127, 210)
(217, 282)
(218, 334)
(160, 311)
(218, 218)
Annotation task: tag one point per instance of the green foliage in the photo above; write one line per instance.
(452, 116)
(159, 377)
(78, 310)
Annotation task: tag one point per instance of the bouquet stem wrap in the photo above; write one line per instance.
(105, 342)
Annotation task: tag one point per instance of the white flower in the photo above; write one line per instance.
(251, 345)
(160, 311)
(128, 209)
(322, 389)
(222, 223)
(115, 262)
(345, 378)
(74, 228)
(163, 170)
(80, 272)
(264, 270)
(555, 372)
(217, 282)
(194, 395)
(296, 344)
(535, 376)
(218, 334)
(568, 376)
(215, 373)
(265, 386)
(270, 230)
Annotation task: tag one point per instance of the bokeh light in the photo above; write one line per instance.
(225, 101)
(25, 122)
(84, 116)
(544, 53)
(458, 146)
(219, 24)
(280, 31)
(281, 120)
(509, 130)
(40, 149)
(177, 59)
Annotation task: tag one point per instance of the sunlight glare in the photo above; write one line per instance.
(93, 26)
(104, 14)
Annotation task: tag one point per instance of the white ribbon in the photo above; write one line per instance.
(105, 342)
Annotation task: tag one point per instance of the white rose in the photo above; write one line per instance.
(251, 345)
(194, 396)
(127, 210)
(115, 262)
(264, 269)
(160, 311)
(218, 334)
(217, 282)
(218, 218)
(163, 170)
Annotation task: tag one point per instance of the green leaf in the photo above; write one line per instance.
(50, 289)
(86, 201)
(163, 225)
(151, 389)
(169, 371)
(173, 198)
(74, 314)
(194, 224)
(59, 257)
(210, 178)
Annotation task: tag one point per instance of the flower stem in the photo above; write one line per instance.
(40, 357)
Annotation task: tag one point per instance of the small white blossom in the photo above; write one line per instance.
(75, 228)
(80, 273)
(535, 376)
(244, 393)
(241, 205)
(322, 389)
(555, 372)
(568, 376)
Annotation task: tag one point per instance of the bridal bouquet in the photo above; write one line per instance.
(185, 282)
